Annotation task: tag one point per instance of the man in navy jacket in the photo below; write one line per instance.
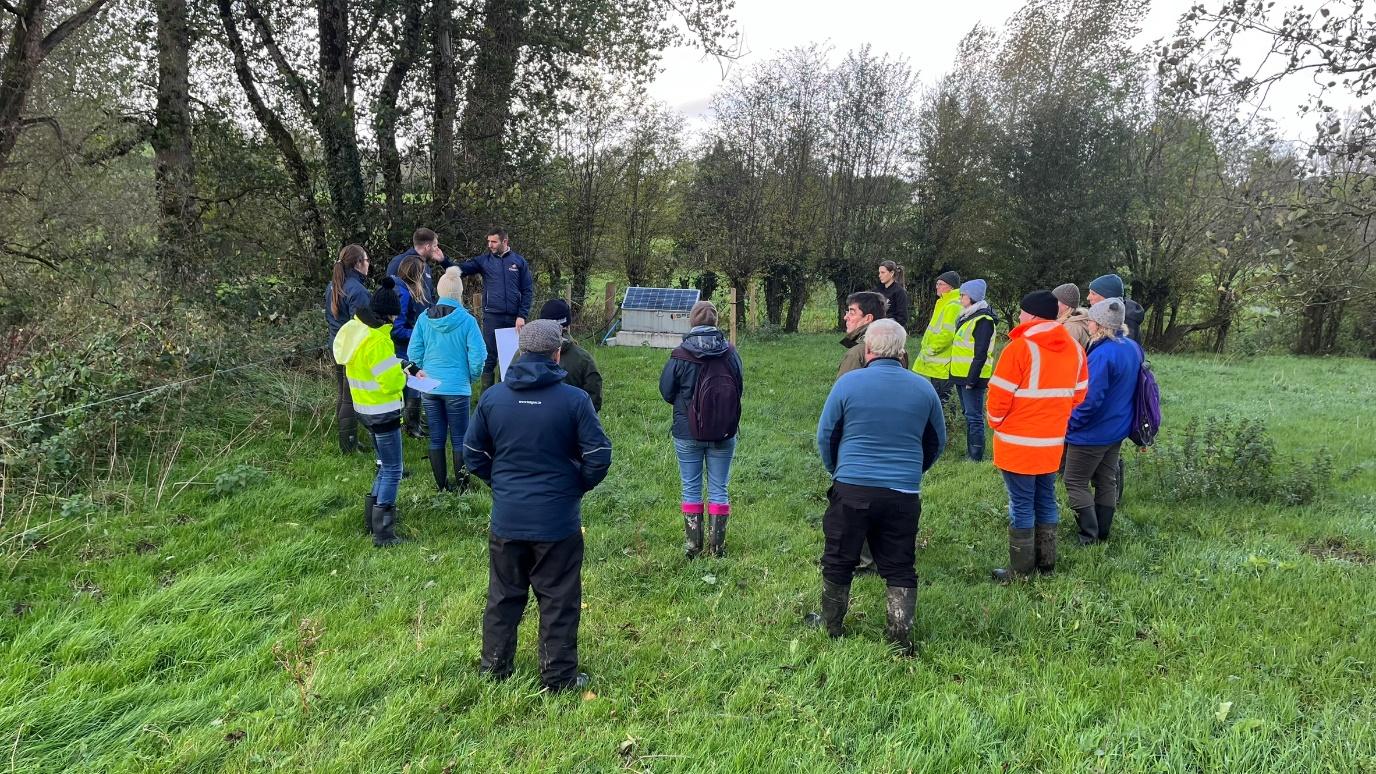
(508, 292)
(881, 429)
(425, 244)
(538, 444)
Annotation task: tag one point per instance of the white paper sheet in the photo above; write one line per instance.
(422, 383)
(506, 348)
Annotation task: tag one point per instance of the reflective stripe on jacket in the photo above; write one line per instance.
(934, 358)
(374, 372)
(963, 348)
(1040, 378)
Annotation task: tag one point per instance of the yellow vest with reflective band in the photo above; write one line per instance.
(934, 358)
(372, 367)
(963, 348)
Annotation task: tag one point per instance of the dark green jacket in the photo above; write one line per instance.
(581, 368)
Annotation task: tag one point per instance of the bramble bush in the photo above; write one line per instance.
(1225, 457)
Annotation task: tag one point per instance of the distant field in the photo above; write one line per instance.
(1208, 637)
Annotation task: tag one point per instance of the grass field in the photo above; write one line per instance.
(145, 634)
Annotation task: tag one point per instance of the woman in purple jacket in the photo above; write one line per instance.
(1098, 425)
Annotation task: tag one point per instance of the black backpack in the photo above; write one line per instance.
(714, 412)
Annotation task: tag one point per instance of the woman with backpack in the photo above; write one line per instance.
(704, 380)
(1098, 426)
(344, 296)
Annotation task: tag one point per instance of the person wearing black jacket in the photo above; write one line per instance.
(972, 361)
(426, 245)
(508, 292)
(344, 296)
(891, 287)
(538, 444)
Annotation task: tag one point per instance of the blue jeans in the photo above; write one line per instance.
(972, 405)
(691, 456)
(448, 414)
(1031, 499)
(387, 447)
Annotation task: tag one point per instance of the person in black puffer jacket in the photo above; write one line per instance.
(893, 290)
(678, 384)
(344, 296)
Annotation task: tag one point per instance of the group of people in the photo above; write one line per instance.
(1059, 399)
(1055, 404)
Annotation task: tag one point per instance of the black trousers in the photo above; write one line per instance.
(491, 322)
(346, 420)
(555, 571)
(888, 519)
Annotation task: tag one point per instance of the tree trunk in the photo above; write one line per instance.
(385, 126)
(487, 104)
(27, 48)
(312, 223)
(335, 121)
(443, 166)
(775, 284)
(797, 300)
(179, 225)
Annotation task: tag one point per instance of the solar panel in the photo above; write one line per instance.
(660, 299)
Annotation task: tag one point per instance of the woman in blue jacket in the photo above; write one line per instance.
(344, 296)
(1098, 425)
(448, 344)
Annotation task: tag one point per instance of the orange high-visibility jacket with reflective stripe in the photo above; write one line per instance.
(1040, 378)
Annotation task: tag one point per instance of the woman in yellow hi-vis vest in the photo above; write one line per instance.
(972, 361)
(934, 357)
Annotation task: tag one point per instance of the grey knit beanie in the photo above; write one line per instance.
(1109, 313)
(540, 337)
(1068, 294)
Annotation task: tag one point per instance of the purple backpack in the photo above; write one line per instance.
(1146, 407)
(714, 413)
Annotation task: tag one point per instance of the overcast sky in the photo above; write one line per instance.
(925, 33)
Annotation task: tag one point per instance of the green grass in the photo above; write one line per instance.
(1215, 637)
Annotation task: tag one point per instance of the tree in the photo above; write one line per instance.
(179, 229)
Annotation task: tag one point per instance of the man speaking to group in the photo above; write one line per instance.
(508, 293)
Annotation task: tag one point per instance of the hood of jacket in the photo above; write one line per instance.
(352, 335)
(533, 371)
(1079, 314)
(1044, 333)
(982, 306)
(447, 315)
(705, 341)
(854, 337)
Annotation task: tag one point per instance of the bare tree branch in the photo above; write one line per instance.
(294, 80)
(61, 31)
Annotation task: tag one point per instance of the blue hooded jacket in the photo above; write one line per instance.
(1105, 416)
(538, 443)
(448, 345)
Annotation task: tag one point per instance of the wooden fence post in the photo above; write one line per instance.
(733, 316)
(752, 312)
(610, 305)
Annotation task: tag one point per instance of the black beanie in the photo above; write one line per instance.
(1040, 303)
(950, 278)
(385, 302)
(556, 309)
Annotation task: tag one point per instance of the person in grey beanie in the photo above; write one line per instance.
(1074, 317)
(1111, 286)
(1099, 424)
(538, 444)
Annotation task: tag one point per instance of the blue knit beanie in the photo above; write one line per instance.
(1108, 286)
(975, 289)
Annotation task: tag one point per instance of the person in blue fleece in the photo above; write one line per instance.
(537, 442)
(1099, 424)
(448, 344)
(881, 428)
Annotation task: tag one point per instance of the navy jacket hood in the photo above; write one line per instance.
(533, 371)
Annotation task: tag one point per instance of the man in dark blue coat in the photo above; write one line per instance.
(508, 292)
(538, 444)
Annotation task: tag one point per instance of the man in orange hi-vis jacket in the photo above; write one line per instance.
(1040, 378)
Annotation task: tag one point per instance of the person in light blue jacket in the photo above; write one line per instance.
(1100, 423)
(448, 344)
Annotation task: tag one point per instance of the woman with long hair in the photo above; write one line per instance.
(414, 291)
(893, 290)
(345, 294)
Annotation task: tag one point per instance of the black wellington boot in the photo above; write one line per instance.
(1105, 513)
(900, 609)
(835, 602)
(1046, 548)
(384, 526)
(463, 480)
(1090, 527)
(369, 502)
(411, 416)
(716, 533)
(1022, 555)
(692, 535)
(348, 435)
(486, 381)
(439, 467)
